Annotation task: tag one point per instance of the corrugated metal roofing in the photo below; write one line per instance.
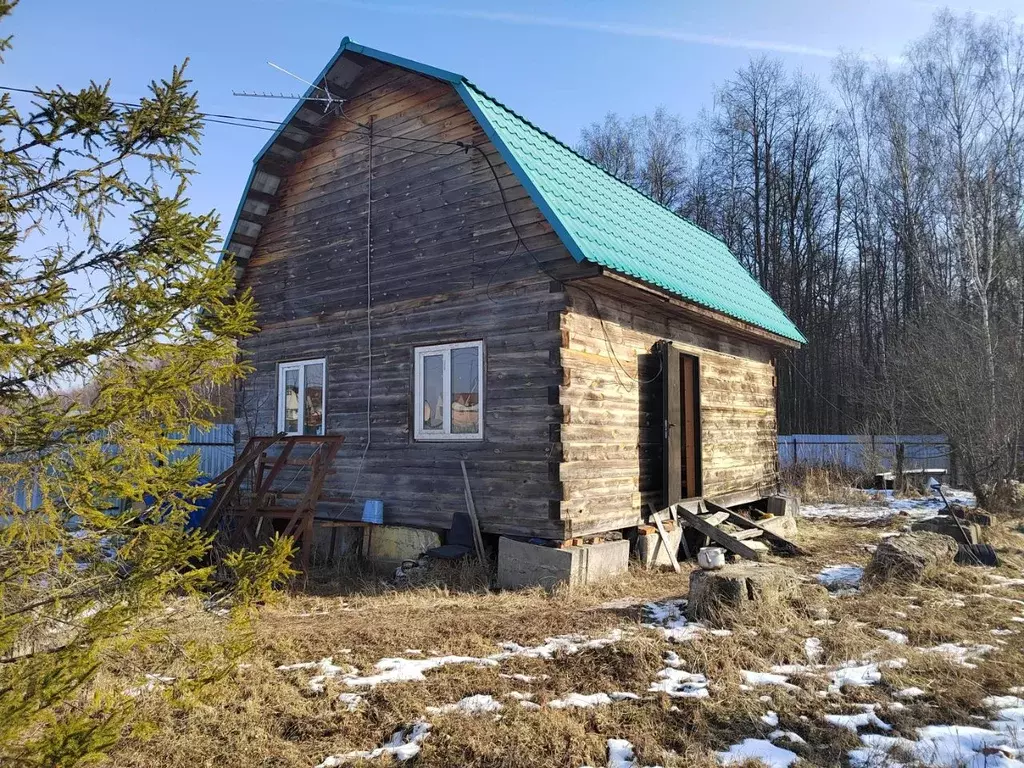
(604, 220)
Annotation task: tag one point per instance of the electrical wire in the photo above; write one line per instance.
(241, 121)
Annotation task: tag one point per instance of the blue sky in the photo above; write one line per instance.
(562, 64)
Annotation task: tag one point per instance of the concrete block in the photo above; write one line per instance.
(650, 553)
(784, 506)
(964, 533)
(391, 544)
(526, 565)
(782, 525)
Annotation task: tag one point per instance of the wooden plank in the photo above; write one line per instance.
(471, 508)
(719, 537)
(663, 540)
(745, 535)
(715, 519)
(742, 522)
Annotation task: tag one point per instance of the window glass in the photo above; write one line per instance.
(433, 392)
(465, 371)
(291, 400)
(313, 411)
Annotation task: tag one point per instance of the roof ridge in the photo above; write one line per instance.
(586, 159)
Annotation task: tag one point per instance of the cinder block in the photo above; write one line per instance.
(526, 565)
(649, 551)
(391, 544)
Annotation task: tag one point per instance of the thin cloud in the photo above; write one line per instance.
(623, 30)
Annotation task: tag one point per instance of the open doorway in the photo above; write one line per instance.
(681, 448)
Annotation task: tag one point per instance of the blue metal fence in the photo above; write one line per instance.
(866, 452)
(215, 446)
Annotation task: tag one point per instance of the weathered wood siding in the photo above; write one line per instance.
(444, 267)
(610, 396)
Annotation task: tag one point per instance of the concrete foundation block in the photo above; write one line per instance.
(649, 551)
(391, 544)
(527, 565)
(964, 533)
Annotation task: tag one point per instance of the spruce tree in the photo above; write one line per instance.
(115, 320)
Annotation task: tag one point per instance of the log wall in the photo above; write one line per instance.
(444, 267)
(610, 395)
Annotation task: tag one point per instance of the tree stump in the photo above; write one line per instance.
(721, 597)
(909, 556)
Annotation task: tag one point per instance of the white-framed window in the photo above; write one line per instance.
(301, 388)
(449, 392)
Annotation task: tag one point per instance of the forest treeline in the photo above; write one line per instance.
(884, 211)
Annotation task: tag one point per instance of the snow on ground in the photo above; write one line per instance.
(844, 577)
(757, 749)
(669, 618)
(885, 505)
(471, 705)
(404, 744)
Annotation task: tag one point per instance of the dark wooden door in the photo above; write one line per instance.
(681, 429)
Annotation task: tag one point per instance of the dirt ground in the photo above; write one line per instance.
(648, 688)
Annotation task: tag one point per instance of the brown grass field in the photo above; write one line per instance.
(256, 715)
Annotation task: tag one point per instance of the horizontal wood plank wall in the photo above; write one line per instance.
(612, 428)
(445, 267)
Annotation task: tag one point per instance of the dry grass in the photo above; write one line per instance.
(825, 484)
(258, 715)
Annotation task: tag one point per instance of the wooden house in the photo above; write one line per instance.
(439, 280)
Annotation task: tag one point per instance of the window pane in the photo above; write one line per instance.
(314, 399)
(433, 392)
(466, 390)
(291, 400)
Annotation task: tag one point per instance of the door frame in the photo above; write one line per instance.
(681, 414)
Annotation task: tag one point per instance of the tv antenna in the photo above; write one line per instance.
(328, 99)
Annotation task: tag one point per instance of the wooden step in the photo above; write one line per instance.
(751, 533)
(716, 519)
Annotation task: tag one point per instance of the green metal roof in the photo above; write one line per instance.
(604, 220)
(608, 222)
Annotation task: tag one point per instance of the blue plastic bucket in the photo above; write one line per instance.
(373, 511)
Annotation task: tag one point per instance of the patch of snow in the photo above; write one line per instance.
(860, 675)
(520, 696)
(567, 644)
(812, 649)
(524, 678)
(403, 745)
(843, 576)
(152, 683)
(757, 749)
(408, 670)
(620, 754)
(680, 684)
(669, 618)
(326, 670)
(532, 705)
(350, 700)
(790, 736)
(910, 693)
(471, 705)
(893, 636)
(768, 678)
(856, 722)
(624, 696)
(959, 653)
(771, 719)
(672, 660)
(580, 700)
